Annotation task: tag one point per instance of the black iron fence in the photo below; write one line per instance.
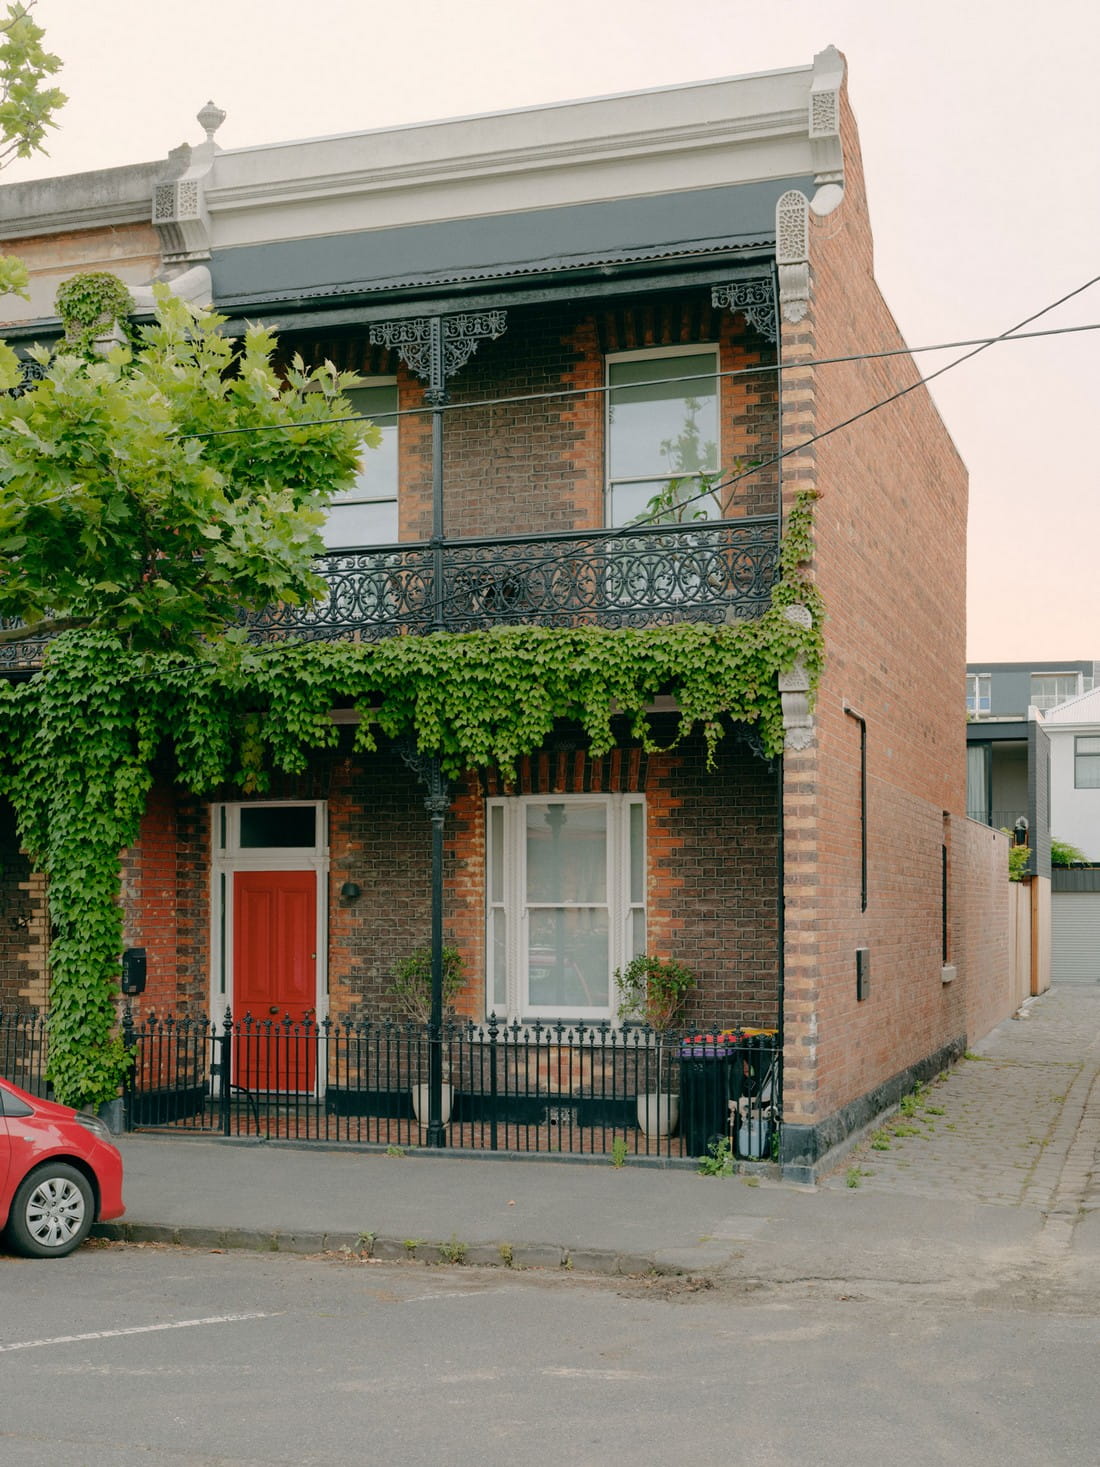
(585, 1089)
(23, 1050)
(508, 1087)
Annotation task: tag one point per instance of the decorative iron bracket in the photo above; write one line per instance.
(436, 354)
(755, 299)
(426, 768)
(30, 374)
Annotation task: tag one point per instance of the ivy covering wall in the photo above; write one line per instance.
(78, 741)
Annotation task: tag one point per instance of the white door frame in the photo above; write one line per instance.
(227, 857)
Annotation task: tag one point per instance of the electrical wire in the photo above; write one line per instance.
(603, 388)
(984, 345)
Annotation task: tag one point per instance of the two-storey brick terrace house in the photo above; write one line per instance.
(552, 313)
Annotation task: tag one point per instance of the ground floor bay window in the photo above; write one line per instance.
(565, 903)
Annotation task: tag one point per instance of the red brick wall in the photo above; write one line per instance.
(891, 544)
(166, 902)
(535, 464)
(24, 934)
(712, 875)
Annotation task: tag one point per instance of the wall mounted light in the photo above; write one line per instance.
(350, 891)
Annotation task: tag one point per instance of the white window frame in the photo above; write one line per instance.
(655, 354)
(979, 688)
(1045, 703)
(511, 999)
(360, 492)
(1091, 756)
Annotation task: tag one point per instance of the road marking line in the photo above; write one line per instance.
(137, 1329)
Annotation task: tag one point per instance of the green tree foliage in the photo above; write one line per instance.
(115, 509)
(27, 106)
(1062, 853)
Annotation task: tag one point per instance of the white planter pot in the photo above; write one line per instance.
(421, 1103)
(658, 1113)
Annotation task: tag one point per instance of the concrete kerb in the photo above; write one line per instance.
(452, 1253)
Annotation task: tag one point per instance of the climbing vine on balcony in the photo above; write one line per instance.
(78, 741)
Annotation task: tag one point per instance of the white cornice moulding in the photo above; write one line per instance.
(587, 153)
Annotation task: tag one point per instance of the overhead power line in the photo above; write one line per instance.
(980, 342)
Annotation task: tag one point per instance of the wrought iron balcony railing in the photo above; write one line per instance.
(713, 571)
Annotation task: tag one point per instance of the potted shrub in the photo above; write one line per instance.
(411, 988)
(654, 991)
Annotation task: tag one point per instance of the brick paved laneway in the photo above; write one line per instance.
(1017, 1123)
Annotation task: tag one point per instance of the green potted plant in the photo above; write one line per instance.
(411, 988)
(654, 991)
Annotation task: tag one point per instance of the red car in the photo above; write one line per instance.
(59, 1173)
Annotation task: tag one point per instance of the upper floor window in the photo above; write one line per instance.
(662, 427)
(1048, 689)
(1086, 762)
(979, 699)
(366, 514)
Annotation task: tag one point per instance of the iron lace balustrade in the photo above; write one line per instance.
(714, 571)
(20, 656)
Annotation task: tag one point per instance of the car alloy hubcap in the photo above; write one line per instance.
(55, 1211)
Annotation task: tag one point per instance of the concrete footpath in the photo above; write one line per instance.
(990, 1173)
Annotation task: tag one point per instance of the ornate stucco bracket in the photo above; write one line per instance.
(180, 215)
(792, 254)
(794, 692)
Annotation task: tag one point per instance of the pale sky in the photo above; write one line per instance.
(979, 130)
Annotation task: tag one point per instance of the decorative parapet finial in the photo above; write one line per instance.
(210, 119)
(826, 148)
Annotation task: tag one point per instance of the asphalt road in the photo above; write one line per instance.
(128, 1356)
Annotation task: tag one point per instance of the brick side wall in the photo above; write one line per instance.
(891, 536)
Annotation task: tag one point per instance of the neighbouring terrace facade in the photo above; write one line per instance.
(590, 335)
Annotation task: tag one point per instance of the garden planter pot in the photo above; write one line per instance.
(421, 1103)
(658, 1113)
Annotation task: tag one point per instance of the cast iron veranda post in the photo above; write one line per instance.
(433, 347)
(437, 799)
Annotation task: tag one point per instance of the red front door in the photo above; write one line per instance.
(275, 978)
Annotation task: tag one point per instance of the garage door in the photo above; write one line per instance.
(1075, 923)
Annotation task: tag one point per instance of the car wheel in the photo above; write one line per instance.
(52, 1212)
